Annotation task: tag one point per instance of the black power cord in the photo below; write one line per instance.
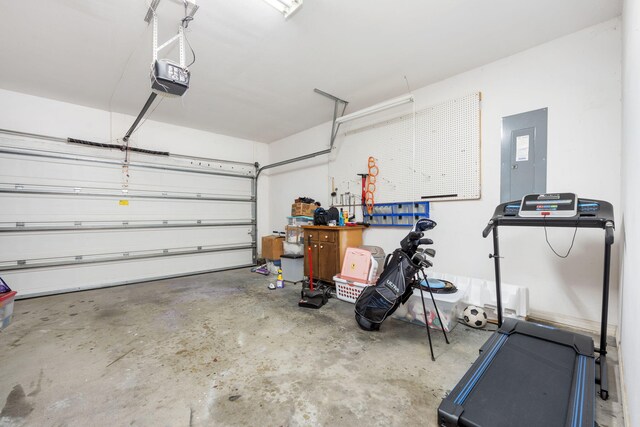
(192, 51)
(546, 237)
(185, 23)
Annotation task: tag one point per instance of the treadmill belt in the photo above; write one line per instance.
(527, 375)
(528, 383)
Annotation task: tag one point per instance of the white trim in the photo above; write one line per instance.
(591, 326)
(623, 389)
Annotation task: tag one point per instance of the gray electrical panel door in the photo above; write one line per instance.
(524, 155)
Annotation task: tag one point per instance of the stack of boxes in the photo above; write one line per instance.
(294, 237)
(293, 258)
(288, 251)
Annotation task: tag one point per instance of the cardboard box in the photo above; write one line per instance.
(303, 209)
(272, 247)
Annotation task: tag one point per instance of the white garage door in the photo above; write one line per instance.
(76, 217)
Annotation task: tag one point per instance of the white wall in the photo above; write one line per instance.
(629, 289)
(578, 78)
(32, 114)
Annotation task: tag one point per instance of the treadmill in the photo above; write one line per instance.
(529, 374)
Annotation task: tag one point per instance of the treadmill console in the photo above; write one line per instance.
(549, 205)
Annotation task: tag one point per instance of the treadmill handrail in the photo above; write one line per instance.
(602, 218)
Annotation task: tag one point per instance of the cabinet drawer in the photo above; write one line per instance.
(315, 236)
(327, 236)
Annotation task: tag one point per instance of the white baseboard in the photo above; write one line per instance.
(574, 322)
(623, 388)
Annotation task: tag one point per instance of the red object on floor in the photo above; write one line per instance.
(310, 267)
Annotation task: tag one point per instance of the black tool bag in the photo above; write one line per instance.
(320, 217)
(393, 288)
(333, 214)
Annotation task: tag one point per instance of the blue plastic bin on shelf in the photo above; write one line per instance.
(399, 214)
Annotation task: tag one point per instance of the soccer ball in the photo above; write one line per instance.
(474, 317)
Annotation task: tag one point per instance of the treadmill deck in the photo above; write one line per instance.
(527, 375)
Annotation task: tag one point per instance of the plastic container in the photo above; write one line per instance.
(348, 290)
(376, 251)
(421, 208)
(385, 219)
(356, 265)
(6, 308)
(293, 248)
(292, 268)
(300, 220)
(293, 234)
(404, 208)
(273, 266)
(378, 260)
(449, 305)
(382, 209)
(404, 219)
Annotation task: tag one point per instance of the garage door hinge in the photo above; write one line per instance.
(199, 248)
(125, 222)
(165, 251)
(19, 224)
(165, 222)
(125, 254)
(199, 221)
(77, 223)
(79, 258)
(21, 262)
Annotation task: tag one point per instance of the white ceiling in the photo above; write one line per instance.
(255, 72)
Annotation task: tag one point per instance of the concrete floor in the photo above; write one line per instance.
(221, 349)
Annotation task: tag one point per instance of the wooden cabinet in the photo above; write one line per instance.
(328, 245)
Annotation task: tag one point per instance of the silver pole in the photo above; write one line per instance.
(81, 158)
(119, 195)
(21, 227)
(172, 155)
(254, 215)
(80, 259)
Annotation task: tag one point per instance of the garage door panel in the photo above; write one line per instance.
(61, 279)
(18, 246)
(150, 197)
(26, 208)
(52, 172)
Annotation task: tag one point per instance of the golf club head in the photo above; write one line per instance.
(430, 252)
(409, 242)
(424, 224)
(418, 257)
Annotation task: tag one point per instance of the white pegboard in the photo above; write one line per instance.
(444, 161)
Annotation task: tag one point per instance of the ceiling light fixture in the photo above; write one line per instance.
(395, 102)
(286, 7)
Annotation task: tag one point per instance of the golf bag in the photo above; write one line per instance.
(393, 288)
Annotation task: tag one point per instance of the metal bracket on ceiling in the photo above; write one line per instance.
(190, 8)
(337, 101)
(286, 7)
